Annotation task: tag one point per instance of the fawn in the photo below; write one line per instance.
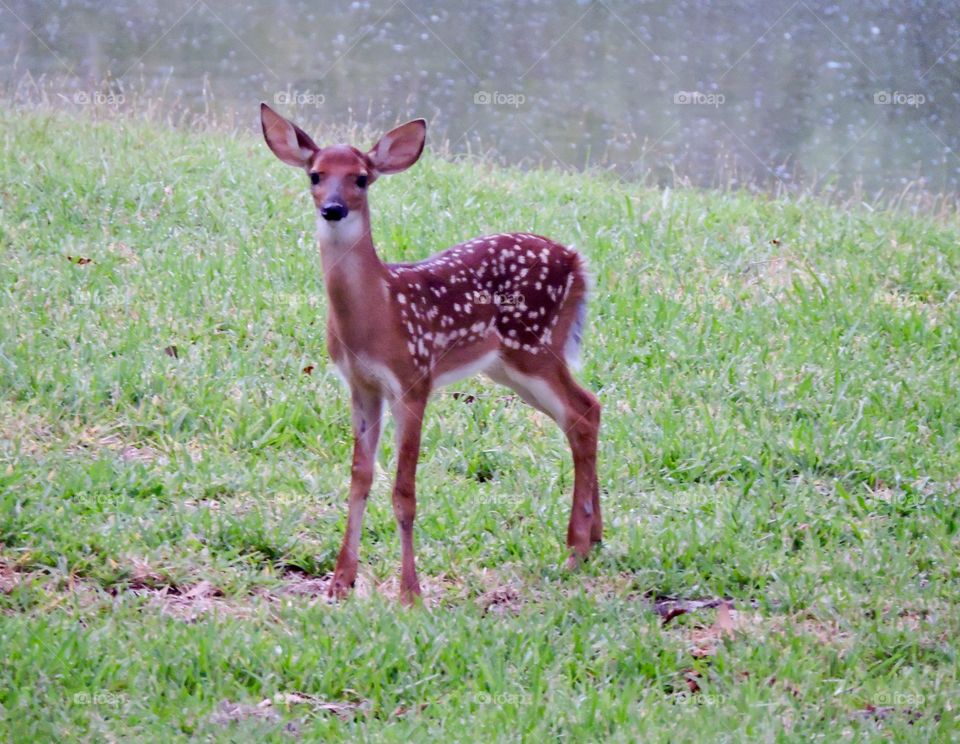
(510, 305)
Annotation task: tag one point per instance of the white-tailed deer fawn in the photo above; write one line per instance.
(511, 306)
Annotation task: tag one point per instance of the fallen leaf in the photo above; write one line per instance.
(403, 710)
(171, 351)
(724, 623)
(669, 607)
(705, 640)
(203, 589)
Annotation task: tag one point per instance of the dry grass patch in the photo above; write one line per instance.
(22, 432)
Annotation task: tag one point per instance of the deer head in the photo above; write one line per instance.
(339, 175)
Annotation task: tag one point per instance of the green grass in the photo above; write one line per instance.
(781, 427)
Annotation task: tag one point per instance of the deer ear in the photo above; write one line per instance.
(288, 141)
(399, 148)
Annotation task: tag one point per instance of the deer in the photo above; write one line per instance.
(511, 306)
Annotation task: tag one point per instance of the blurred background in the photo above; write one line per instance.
(854, 97)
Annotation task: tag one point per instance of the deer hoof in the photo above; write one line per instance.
(410, 595)
(339, 588)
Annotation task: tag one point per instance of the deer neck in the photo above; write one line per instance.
(353, 274)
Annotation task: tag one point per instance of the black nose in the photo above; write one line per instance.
(333, 211)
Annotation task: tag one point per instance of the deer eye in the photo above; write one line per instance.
(362, 181)
(314, 178)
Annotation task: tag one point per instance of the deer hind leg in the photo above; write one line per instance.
(367, 414)
(577, 411)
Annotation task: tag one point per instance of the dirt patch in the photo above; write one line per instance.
(51, 589)
(269, 710)
(196, 504)
(228, 712)
(144, 576)
(703, 639)
(297, 583)
(897, 299)
(95, 440)
(33, 436)
(826, 633)
(499, 591)
(304, 585)
(734, 617)
(881, 713)
(610, 586)
(126, 253)
(191, 603)
(503, 600)
(432, 589)
(183, 601)
(773, 275)
(495, 591)
(9, 577)
(670, 607)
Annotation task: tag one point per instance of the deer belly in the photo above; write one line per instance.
(451, 369)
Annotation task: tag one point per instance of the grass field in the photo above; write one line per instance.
(781, 429)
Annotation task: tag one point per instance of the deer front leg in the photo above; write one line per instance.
(408, 413)
(582, 426)
(367, 412)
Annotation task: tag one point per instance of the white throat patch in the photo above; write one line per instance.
(344, 233)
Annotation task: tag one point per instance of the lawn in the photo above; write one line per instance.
(780, 457)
